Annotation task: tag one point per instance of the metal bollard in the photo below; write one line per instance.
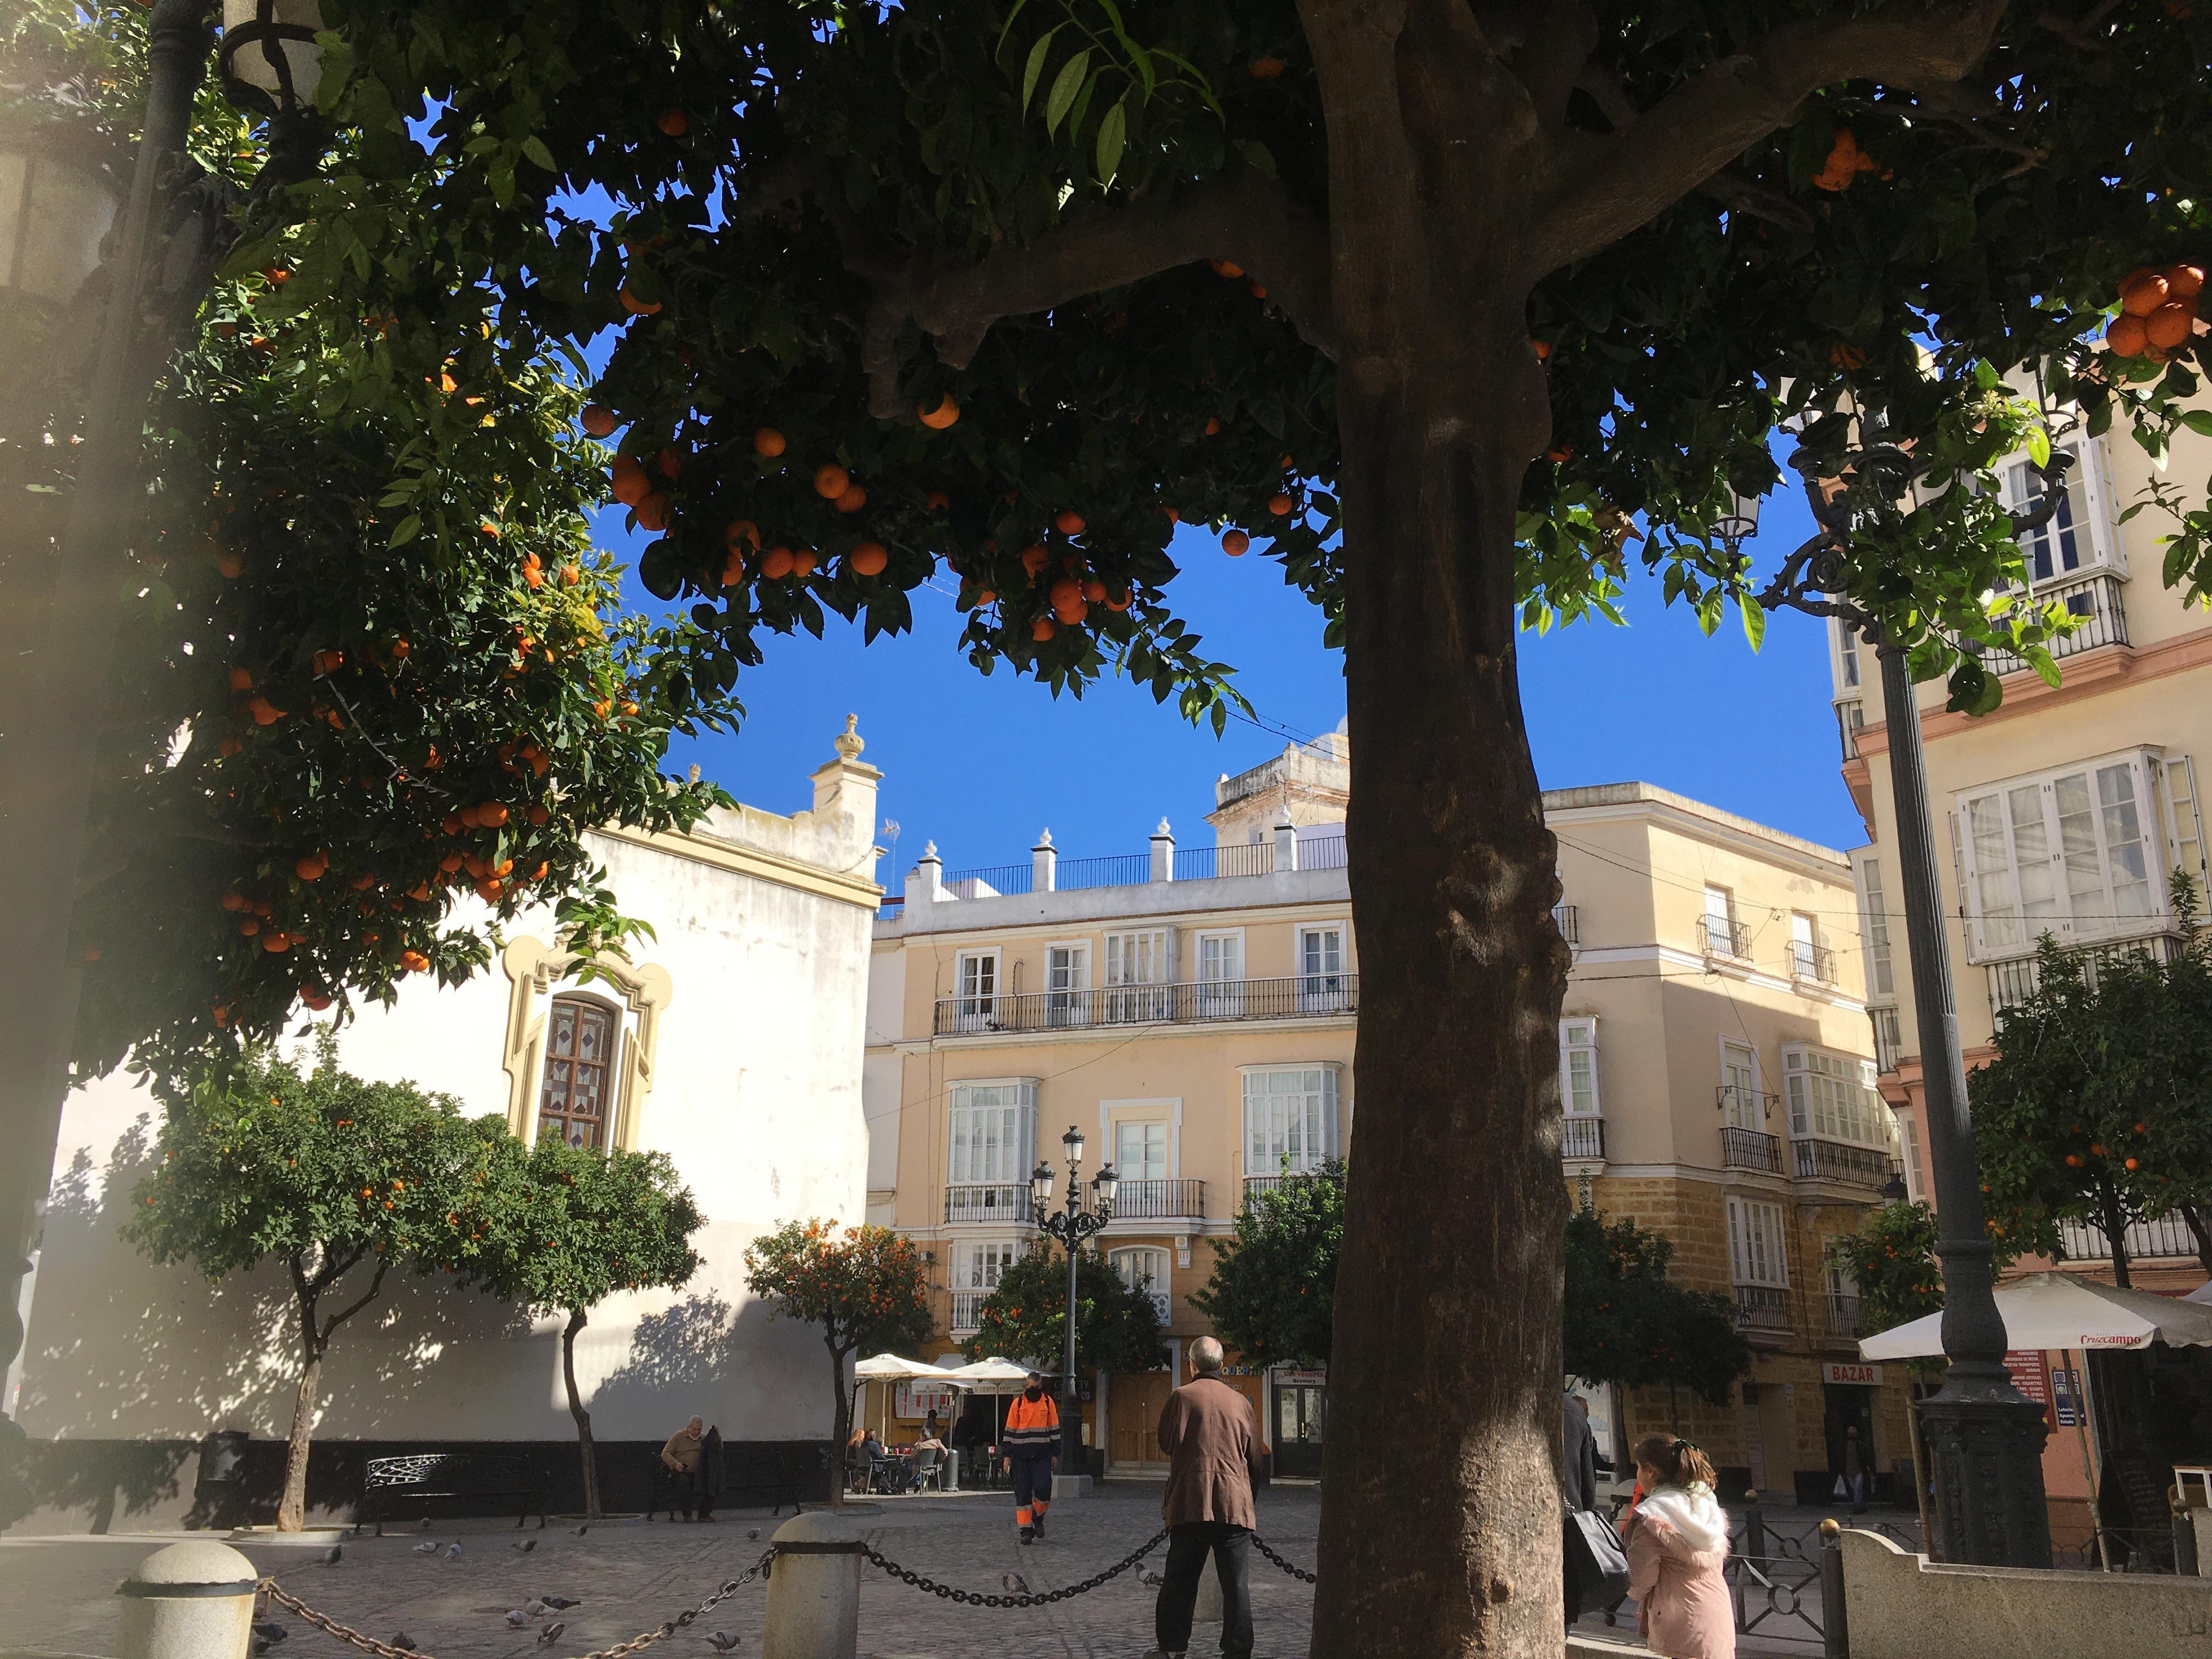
(814, 1589)
(188, 1601)
(1835, 1627)
(1754, 1527)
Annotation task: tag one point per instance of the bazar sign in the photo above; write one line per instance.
(1835, 1371)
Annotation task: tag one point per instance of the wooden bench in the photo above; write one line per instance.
(393, 1485)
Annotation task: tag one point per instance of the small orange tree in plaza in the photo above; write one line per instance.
(856, 1283)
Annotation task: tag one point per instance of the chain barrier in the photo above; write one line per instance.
(921, 1582)
(330, 1626)
(1297, 1572)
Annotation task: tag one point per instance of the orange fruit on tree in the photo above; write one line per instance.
(1267, 68)
(803, 562)
(939, 418)
(1119, 600)
(638, 308)
(868, 559)
(400, 647)
(1094, 591)
(1068, 522)
(2128, 336)
(538, 814)
(1174, 517)
(1235, 543)
(1845, 355)
(652, 512)
(775, 563)
(274, 943)
(1212, 425)
(599, 421)
(1258, 291)
(674, 122)
(936, 501)
(767, 440)
(1067, 595)
(364, 881)
(742, 532)
(733, 569)
(229, 563)
(2184, 281)
(492, 814)
(626, 479)
(414, 961)
(2170, 324)
(670, 463)
(853, 499)
(1043, 629)
(1543, 349)
(1033, 559)
(1280, 504)
(2141, 292)
(311, 867)
(831, 481)
(1223, 268)
(240, 680)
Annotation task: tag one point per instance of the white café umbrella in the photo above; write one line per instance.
(891, 1368)
(994, 1376)
(2060, 1310)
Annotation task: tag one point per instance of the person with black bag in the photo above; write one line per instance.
(1595, 1567)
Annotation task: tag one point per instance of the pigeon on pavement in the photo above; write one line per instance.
(533, 1606)
(427, 1546)
(426, 1523)
(1152, 1579)
(579, 1532)
(517, 1617)
(526, 1547)
(754, 1534)
(400, 1638)
(270, 1632)
(559, 1603)
(333, 1555)
(550, 1635)
(722, 1643)
(453, 1550)
(1016, 1582)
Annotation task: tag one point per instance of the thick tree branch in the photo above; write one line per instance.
(1610, 189)
(1748, 195)
(383, 1261)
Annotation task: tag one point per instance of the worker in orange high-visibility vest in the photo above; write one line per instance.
(1029, 1441)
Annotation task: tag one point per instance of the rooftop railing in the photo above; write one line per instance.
(1297, 996)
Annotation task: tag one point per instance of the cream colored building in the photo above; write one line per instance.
(2065, 810)
(1193, 1011)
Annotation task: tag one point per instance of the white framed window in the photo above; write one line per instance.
(993, 1132)
(2081, 537)
(1743, 1105)
(1844, 640)
(1915, 1184)
(1833, 1098)
(2175, 776)
(1756, 1252)
(2072, 853)
(1221, 974)
(1718, 927)
(1805, 953)
(1578, 1096)
(1067, 978)
(1321, 968)
(1141, 1150)
(978, 1264)
(1138, 970)
(1141, 1266)
(1874, 923)
(1888, 1037)
(976, 984)
(1290, 1118)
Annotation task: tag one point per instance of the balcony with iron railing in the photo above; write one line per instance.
(1747, 1148)
(1762, 1309)
(1270, 1183)
(968, 1312)
(2102, 614)
(1888, 1038)
(1844, 1313)
(2168, 1236)
(1295, 996)
(1851, 721)
(992, 1200)
(1813, 963)
(1569, 925)
(1581, 1138)
(1744, 1106)
(1850, 1166)
(1047, 871)
(2014, 982)
(1719, 936)
(1152, 1201)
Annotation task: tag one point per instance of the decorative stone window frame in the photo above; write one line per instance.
(535, 971)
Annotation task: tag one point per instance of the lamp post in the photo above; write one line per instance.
(1076, 1222)
(1984, 1439)
(158, 267)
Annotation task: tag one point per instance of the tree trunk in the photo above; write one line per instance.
(292, 1508)
(2193, 1219)
(1440, 1526)
(842, 1430)
(2114, 1220)
(584, 1447)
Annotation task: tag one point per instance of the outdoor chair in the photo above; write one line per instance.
(860, 1472)
(928, 1469)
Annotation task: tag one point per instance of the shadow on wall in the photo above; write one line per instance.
(685, 1359)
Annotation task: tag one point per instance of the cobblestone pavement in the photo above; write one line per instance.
(56, 1595)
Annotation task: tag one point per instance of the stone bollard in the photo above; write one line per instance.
(814, 1589)
(188, 1601)
(1210, 1606)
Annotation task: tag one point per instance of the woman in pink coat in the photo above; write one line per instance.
(1677, 1542)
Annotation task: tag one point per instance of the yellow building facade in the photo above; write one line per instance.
(1193, 1011)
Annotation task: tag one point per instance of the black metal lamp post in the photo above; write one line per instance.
(158, 268)
(1984, 1439)
(1076, 1222)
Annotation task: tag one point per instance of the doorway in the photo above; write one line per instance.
(1300, 1415)
(1137, 1398)
(1848, 1406)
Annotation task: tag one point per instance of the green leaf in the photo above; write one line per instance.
(1754, 621)
(1036, 66)
(534, 148)
(1113, 132)
(405, 530)
(1256, 156)
(2039, 446)
(1064, 86)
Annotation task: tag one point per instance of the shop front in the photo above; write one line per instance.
(1297, 1422)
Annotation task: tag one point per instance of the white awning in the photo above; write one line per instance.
(2061, 1310)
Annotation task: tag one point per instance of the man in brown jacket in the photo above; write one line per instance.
(1211, 1436)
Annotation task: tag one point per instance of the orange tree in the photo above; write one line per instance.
(571, 1226)
(1892, 1260)
(333, 1179)
(856, 1283)
(1446, 305)
(1117, 1326)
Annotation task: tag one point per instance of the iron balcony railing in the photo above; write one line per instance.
(1851, 721)
(968, 1311)
(1569, 926)
(1888, 1038)
(1744, 1104)
(2096, 603)
(1582, 1137)
(1812, 961)
(1724, 936)
(1843, 1313)
(1148, 1200)
(1296, 996)
(993, 1200)
(1269, 1183)
(2012, 983)
(2168, 1236)
(1212, 863)
(1159, 1299)
(1135, 869)
(1762, 1307)
(1853, 1166)
(1747, 1148)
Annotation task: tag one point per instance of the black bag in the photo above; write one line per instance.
(1597, 1566)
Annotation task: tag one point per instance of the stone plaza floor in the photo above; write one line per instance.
(56, 1595)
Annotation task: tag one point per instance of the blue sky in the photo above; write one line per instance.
(979, 765)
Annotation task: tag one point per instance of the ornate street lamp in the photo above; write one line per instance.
(1735, 527)
(1076, 1222)
(1984, 1439)
(54, 212)
(269, 59)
